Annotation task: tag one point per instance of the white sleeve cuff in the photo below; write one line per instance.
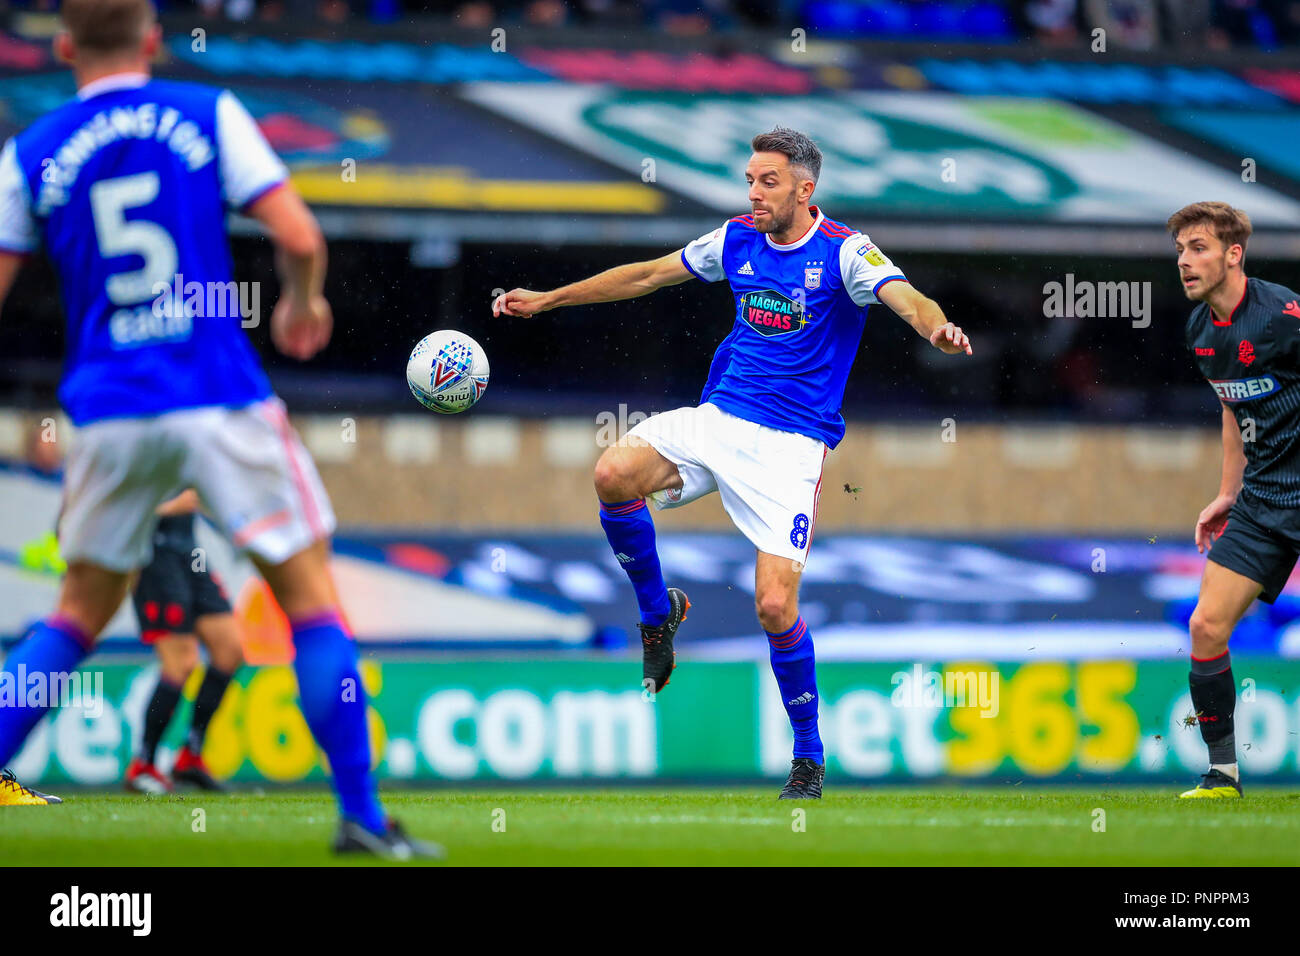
(865, 268)
(703, 257)
(249, 167)
(17, 228)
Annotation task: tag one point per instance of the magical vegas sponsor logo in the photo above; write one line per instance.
(1244, 389)
(771, 313)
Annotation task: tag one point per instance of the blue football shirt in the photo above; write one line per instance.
(800, 311)
(127, 187)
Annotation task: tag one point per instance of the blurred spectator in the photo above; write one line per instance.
(547, 13)
(475, 14)
(236, 10)
(608, 12)
(1265, 24)
(1052, 21)
(1284, 19)
(1235, 22)
(689, 17)
(1129, 24)
(1186, 22)
(957, 20)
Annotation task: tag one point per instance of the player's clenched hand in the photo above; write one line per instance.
(950, 339)
(520, 303)
(1213, 519)
(301, 327)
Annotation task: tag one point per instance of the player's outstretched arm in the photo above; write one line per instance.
(1214, 517)
(923, 314)
(612, 285)
(302, 321)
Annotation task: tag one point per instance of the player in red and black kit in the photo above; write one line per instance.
(179, 603)
(1245, 336)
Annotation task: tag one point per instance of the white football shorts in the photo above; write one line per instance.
(769, 480)
(248, 465)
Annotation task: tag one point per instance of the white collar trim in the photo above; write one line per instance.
(114, 81)
(802, 240)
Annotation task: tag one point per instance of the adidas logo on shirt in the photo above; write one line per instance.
(746, 269)
(624, 558)
(804, 698)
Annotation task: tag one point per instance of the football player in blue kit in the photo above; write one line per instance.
(1244, 336)
(127, 187)
(768, 415)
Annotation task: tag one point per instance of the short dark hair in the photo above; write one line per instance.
(1231, 226)
(794, 146)
(107, 26)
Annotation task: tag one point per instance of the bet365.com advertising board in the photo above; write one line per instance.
(574, 720)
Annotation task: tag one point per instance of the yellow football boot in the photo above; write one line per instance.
(14, 794)
(1214, 785)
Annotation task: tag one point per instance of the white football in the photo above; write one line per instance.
(447, 371)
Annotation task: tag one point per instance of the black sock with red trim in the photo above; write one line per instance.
(157, 716)
(206, 702)
(1214, 698)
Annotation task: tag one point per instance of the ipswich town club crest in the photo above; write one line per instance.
(812, 278)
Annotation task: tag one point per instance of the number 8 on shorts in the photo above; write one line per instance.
(799, 534)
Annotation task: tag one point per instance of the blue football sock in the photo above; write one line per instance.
(334, 703)
(631, 533)
(52, 646)
(795, 668)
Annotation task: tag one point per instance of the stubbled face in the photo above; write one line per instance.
(1203, 261)
(774, 191)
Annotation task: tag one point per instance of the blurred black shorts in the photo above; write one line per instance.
(170, 595)
(1260, 542)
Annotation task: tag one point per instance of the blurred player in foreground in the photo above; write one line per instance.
(127, 187)
(180, 603)
(1245, 339)
(768, 415)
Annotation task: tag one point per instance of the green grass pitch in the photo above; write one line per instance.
(697, 826)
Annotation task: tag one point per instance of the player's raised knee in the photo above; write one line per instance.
(614, 477)
(1209, 635)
